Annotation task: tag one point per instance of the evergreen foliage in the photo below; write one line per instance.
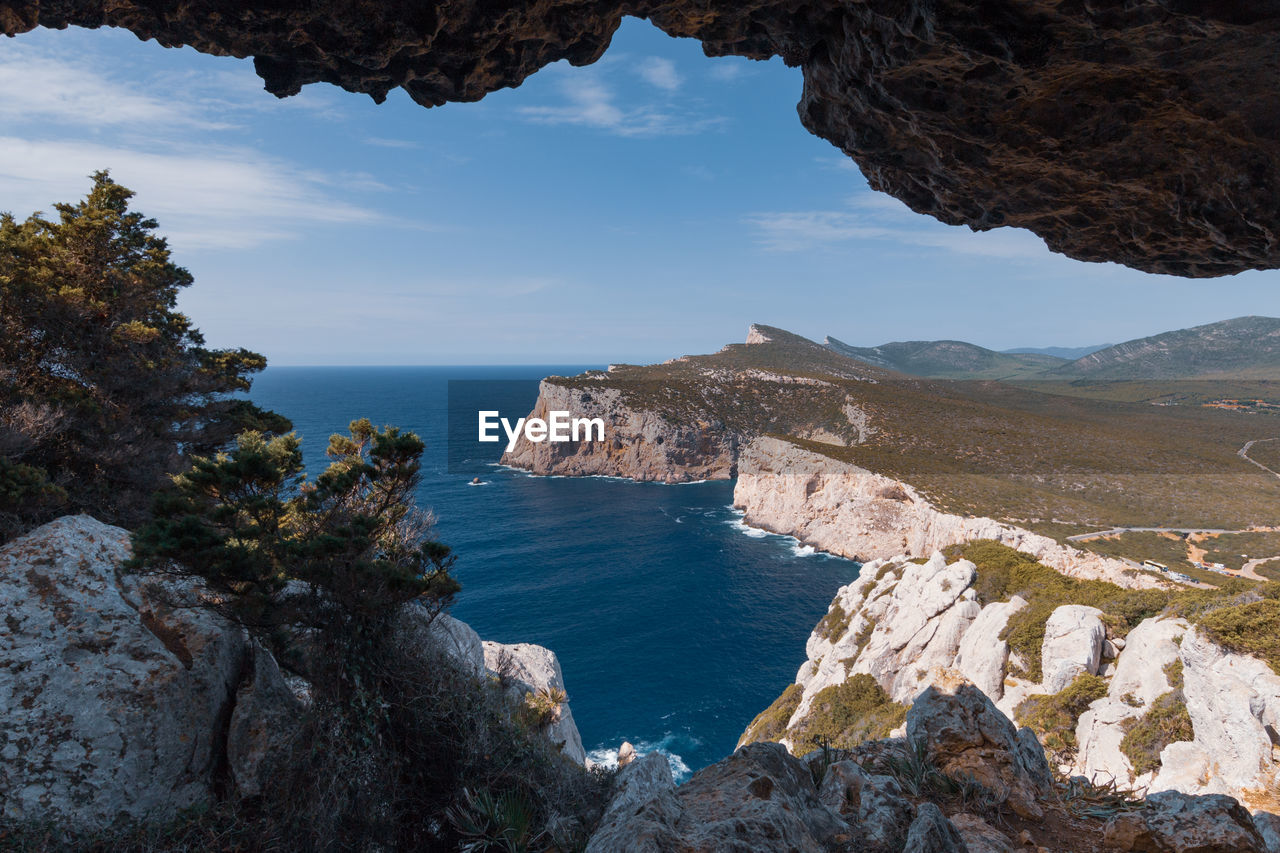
(104, 386)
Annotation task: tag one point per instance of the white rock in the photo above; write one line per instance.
(1149, 648)
(1098, 735)
(983, 657)
(532, 668)
(110, 700)
(1073, 639)
(850, 511)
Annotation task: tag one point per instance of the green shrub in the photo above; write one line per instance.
(1251, 628)
(771, 723)
(844, 715)
(1173, 672)
(834, 624)
(1166, 722)
(1054, 717)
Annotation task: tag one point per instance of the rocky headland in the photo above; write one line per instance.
(1135, 692)
(845, 509)
(121, 697)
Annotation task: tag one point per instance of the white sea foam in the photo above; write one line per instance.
(802, 550)
(608, 757)
(747, 530)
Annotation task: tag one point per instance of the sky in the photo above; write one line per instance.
(651, 205)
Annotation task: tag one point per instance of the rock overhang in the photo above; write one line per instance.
(1145, 133)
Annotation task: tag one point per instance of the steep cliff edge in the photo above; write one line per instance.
(847, 510)
(1122, 686)
(639, 444)
(123, 697)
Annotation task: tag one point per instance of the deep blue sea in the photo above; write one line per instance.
(674, 623)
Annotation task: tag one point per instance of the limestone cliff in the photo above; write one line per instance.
(847, 510)
(120, 696)
(639, 444)
(912, 625)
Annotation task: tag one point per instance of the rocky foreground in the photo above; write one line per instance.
(116, 700)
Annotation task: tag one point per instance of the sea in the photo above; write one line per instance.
(675, 623)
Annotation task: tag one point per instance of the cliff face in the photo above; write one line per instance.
(1142, 133)
(118, 699)
(847, 510)
(912, 626)
(639, 443)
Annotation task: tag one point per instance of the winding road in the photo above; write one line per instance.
(1243, 453)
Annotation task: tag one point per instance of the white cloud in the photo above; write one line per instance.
(730, 68)
(883, 218)
(39, 88)
(206, 198)
(590, 102)
(660, 72)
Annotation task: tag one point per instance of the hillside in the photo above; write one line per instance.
(1067, 353)
(1242, 348)
(973, 448)
(949, 359)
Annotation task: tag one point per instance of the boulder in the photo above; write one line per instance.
(759, 798)
(983, 657)
(1098, 735)
(264, 727)
(530, 669)
(1073, 639)
(1148, 649)
(111, 697)
(875, 804)
(1234, 702)
(980, 836)
(1173, 822)
(931, 832)
(1268, 826)
(963, 733)
(643, 811)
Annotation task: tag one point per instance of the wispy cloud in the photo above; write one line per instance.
(660, 72)
(730, 68)
(38, 88)
(231, 198)
(590, 100)
(884, 219)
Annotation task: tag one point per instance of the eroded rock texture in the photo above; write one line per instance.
(1144, 132)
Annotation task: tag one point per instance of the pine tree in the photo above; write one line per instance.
(104, 386)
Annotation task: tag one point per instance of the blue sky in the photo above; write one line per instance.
(651, 205)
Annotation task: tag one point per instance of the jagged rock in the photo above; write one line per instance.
(264, 726)
(1148, 649)
(111, 700)
(1268, 826)
(1098, 735)
(530, 669)
(1140, 134)
(1232, 700)
(759, 798)
(876, 804)
(639, 443)
(626, 753)
(964, 734)
(1172, 822)
(983, 657)
(456, 638)
(931, 832)
(642, 814)
(980, 836)
(1073, 639)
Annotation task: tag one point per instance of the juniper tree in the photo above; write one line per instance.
(104, 386)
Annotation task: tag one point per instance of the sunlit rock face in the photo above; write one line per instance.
(1143, 132)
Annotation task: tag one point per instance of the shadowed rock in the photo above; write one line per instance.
(1146, 133)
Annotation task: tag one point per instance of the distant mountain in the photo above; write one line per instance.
(1243, 348)
(1068, 353)
(949, 359)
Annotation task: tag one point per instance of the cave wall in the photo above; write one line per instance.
(1144, 132)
